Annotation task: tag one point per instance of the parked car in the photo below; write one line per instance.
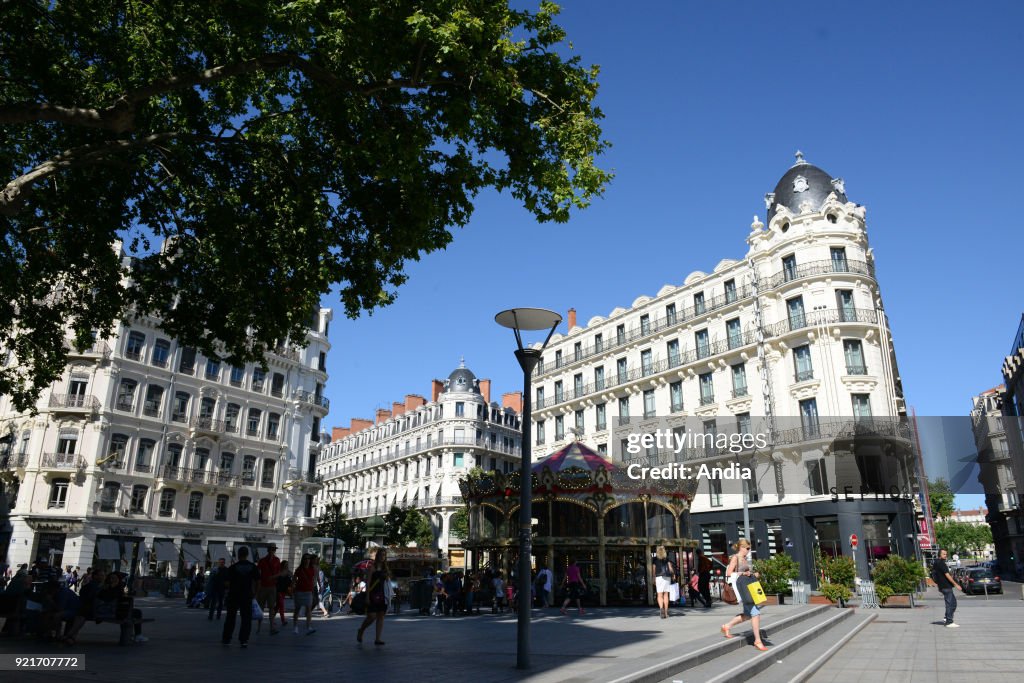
(980, 580)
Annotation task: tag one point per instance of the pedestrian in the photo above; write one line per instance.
(704, 580)
(543, 583)
(452, 594)
(323, 590)
(663, 571)
(305, 586)
(575, 588)
(112, 591)
(946, 583)
(266, 596)
(216, 587)
(378, 595)
(739, 564)
(243, 578)
(694, 590)
(284, 588)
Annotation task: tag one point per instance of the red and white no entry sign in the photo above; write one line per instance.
(853, 541)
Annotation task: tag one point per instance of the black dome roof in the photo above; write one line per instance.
(462, 379)
(804, 182)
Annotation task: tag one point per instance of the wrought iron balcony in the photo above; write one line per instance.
(803, 375)
(207, 424)
(73, 402)
(99, 349)
(740, 392)
(62, 461)
(856, 370)
(11, 461)
(151, 411)
(133, 355)
(707, 400)
(812, 268)
(314, 400)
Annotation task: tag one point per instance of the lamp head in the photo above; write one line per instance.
(529, 319)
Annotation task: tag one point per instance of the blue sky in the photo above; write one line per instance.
(705, 102)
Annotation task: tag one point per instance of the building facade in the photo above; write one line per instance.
(414, 454)
(792, 340)
(148, 456)
(1013, 412)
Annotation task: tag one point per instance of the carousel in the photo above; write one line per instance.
(587, 509)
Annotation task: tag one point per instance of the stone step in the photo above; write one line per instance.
(801, 664)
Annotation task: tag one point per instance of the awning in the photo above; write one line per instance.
(218, 551)
(193, 551)
(108, 549)
(165, 550)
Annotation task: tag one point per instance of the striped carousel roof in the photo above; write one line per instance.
(574, 455)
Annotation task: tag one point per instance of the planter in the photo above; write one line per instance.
(901, 600)
(818, 600)
(776, 599)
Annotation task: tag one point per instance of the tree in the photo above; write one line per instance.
(407, 525)
(460, 524)
(349, 530)
(955, 537)
(250, 157)
(940, 498)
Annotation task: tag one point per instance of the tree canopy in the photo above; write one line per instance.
(940, 498)
(407, 525)
(350, 531)
(962, 537)
(249, 157)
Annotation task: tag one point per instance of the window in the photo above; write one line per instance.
(673, 353)
(675, 392)
(67, 442)
(602, 448)
(227, 460)
(620, 370)
(624, 410)
(579, 420)
(707, 389)
(212, 368)
(220, 509)
(853, 350)
(457, 459)
(187, 362)
(649, 410)
(809, 418)
(839, 260)
(207, 405)
(844, 302)
(715, 492)
(743, 423)
(460, 409)
(248, 469)
(179, 410)
(670, 314)
(540, 397)
(817, 477)
(577, 351)
(599, 378)
(259, 378)
(540, 432)
(698, 303)
(167, 502)
(237, 375)
(646, 362)
(730, 291)
(161, 353)
(195, 505)
(559, 427)
(277, 385)
(558, 358)
(559, 394)
(598, 342)
(202, 458)
(602, 417)
(788, 268)
(802, 363)
(620, 334)
(751, 490)
(126, 394)
(144, 455)
(645, 324)
(174, 455)
(118, 445)
(861, 405)
(734, 333)
(59, 493)
(273, 425)
(108, 498)
(252, 426)
(795, 311)
(231, 414)
(267, 480)
(133, 347)
(138, 504)
(703, 344)
(154, 398)
(264, 512)
(577, 385)
(739, 380)
(322, 362)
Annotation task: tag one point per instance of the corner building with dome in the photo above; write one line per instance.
(790, 341)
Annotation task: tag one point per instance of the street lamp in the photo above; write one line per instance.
(340, 493)
(518, 320)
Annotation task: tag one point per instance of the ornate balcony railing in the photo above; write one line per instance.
(61, 461)
(74, 402)
(824, 267)
(207, 424)
(447, 441)
(312, 399)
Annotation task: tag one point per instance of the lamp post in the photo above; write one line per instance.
(340, 493)
(518, 320)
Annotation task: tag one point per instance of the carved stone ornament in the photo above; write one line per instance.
(839, 185)
(800, 184)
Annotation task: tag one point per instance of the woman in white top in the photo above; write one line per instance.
(739, 566)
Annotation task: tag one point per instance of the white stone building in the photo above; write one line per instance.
(994, 428)
(413, 454)
(147, 453)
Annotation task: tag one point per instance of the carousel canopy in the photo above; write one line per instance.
(574, 455)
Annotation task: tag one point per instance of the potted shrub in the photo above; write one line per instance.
(896, 579)
(837, 593)
(838, 574)
(775, 574)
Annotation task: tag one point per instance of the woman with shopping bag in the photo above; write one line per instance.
(663, 573)
(743, 578)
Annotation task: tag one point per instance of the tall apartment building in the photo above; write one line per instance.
(996, 474)
(1013, 412)
(793, 335)
(147, 454)
(413, 454)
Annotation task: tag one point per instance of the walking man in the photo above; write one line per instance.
(944, 580)
(543, 582)
(243, 578)
(217, 583)
(270, 569)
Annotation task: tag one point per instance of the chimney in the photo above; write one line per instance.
(485, 389)
(572, 319)
(397, 408)
(513, 400)
(436, 387)
(339, 433)
(382, 414)
(359, 424)
(414, 401)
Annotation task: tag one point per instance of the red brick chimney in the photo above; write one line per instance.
(359, 424)
(513, 400)
(485, 389)
(572, 319)
(397, 408)
(414, 401)
(436, 387)
(382, 414)
(339, 433)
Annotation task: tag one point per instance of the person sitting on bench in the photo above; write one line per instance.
(86, 604)
(114, 590)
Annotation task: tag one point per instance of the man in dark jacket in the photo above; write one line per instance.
(242, 578)
(216, 587)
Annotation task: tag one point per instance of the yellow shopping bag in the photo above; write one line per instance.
(756, 592)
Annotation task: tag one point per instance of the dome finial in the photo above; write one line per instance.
(799, 158)
(462, 361)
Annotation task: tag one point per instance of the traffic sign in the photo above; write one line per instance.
(853, 541)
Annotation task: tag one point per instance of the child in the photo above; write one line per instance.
(257, 614)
